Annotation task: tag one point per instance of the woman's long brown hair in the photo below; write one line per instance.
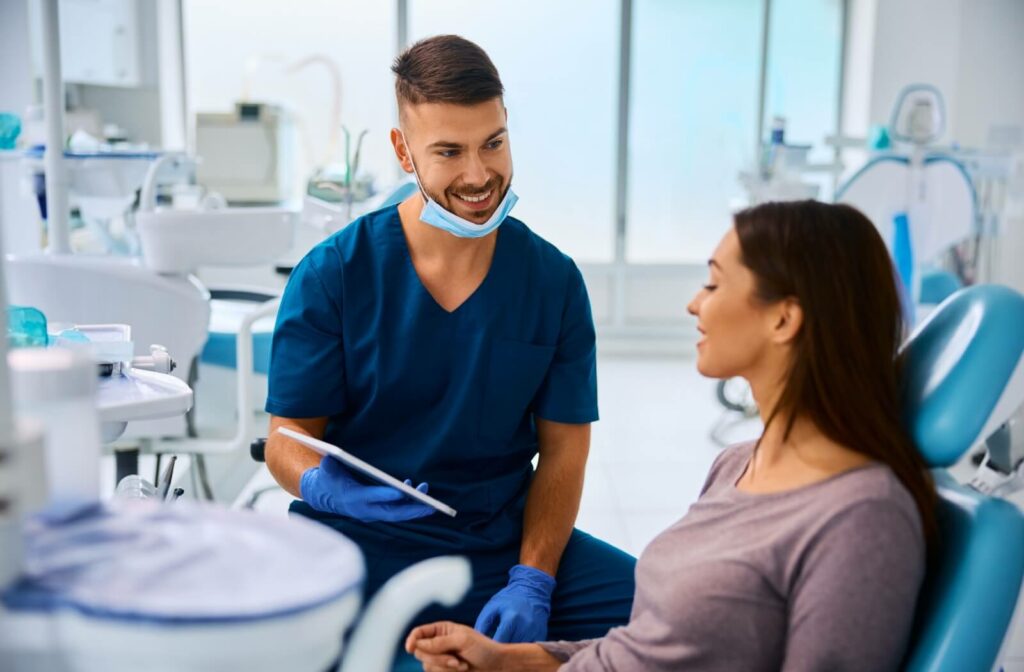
(845, 375)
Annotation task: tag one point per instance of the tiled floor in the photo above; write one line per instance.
(649, 456)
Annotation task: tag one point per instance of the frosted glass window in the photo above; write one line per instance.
(559, 64)
(804, 50)
(693, 121)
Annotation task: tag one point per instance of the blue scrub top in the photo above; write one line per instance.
(445, 398)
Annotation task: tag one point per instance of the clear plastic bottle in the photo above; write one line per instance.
(778, 136)
(134, 486)
(772, 152)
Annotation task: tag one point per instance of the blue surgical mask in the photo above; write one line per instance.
(436, 216)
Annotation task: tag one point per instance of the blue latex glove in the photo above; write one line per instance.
(332, 488)
(519, 612)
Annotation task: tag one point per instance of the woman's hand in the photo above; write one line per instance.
(448, 647)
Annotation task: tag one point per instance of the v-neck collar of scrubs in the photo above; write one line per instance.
(492, 271)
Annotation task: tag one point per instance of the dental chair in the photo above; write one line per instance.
(965, 379)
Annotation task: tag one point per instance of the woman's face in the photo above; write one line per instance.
(735, 328)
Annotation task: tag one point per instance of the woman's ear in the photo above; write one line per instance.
(789, 317)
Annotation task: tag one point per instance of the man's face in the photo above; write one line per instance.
(461, 154)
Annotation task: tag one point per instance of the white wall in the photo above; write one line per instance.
(222, 37)
(916, 41)
(990, 82)
(990, 93)
(972, 50)
(15, 73)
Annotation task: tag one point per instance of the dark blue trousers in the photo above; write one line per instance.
(594, 590)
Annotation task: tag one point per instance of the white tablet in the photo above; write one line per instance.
(373, 472)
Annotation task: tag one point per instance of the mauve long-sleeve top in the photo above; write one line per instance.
(823, 577)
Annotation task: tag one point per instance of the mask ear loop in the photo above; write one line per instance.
(415, 173)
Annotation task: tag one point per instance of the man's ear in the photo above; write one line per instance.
(401, 150)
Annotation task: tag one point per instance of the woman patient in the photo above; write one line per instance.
(806, 548)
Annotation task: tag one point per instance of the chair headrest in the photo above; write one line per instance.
(964, 374)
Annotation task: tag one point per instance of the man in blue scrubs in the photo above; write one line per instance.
(443, 341)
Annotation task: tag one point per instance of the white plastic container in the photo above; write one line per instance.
(57, 388)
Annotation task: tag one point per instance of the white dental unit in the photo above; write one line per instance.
(923, 200)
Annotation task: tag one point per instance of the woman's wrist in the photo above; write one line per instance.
(527, 658)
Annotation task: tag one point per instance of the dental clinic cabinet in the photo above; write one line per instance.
(99, 41)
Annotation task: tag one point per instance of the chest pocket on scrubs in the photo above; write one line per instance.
(515, 371)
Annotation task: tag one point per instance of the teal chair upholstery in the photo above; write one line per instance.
(938, 285)
(965, 377)
(220, 348)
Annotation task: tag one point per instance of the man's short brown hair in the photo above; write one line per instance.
(445, 69)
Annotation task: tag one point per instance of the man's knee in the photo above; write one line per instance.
(592, 560)
(595, 589)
